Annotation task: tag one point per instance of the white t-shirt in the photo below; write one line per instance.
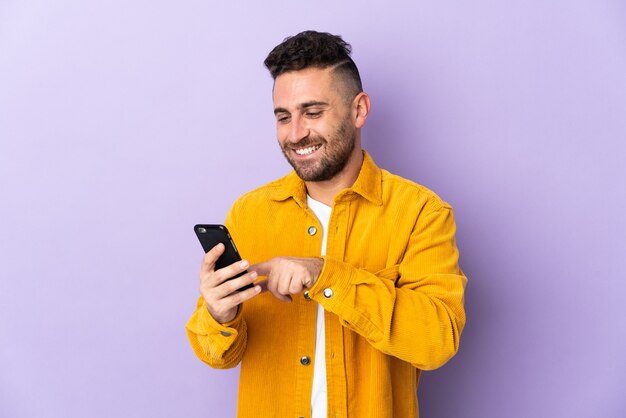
(319, 403)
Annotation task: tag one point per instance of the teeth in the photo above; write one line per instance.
(306, 151)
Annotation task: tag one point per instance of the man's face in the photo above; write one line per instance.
(314, 123)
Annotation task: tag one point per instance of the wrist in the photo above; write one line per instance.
(317, 265)
(225, 318)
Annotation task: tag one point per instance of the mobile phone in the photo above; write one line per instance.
(210, 236)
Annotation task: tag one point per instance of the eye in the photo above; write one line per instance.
(313, 114)
(282, 118)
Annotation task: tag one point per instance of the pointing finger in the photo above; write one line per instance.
(262, 269)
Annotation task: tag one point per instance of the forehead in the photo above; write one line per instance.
(311, 84)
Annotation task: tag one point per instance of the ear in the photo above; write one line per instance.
(361, 108)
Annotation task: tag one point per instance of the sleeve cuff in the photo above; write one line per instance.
(334, 291)
(332, 285)
(203, 324)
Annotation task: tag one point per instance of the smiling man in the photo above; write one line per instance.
(357, 284)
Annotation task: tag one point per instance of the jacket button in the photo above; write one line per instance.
(225, 333)
(328, 293)
(306, 295)
(305, 360)
(312, 230)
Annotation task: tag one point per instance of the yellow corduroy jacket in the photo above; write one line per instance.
(391, 289)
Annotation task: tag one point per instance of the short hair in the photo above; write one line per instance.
(311, 49)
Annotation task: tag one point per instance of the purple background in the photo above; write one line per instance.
(123, 123)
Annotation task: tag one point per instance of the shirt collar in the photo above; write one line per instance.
(368, 184)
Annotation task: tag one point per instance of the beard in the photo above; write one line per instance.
(336, 152)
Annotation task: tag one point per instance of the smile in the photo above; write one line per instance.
(307, 150)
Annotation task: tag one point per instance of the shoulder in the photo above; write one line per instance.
(267, 191)
(403, 191)
(273, 191)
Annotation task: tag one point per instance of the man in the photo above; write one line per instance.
(362, 288)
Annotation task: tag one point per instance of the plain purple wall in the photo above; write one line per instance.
(123, 123)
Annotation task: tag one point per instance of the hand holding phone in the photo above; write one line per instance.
(224, 280)
(210, 236)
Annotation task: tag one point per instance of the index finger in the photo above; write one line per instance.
(262, 269)
(210, 258)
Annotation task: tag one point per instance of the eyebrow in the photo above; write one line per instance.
(304, 105)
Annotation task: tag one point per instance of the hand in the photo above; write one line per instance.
(220, 294)
(289, 275)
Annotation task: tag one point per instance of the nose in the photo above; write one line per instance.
(298, 129)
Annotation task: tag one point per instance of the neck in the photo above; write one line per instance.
(325, 191)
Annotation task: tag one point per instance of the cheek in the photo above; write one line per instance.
(282, 135)
(281, 131)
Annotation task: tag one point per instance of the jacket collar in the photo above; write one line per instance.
(368, 184)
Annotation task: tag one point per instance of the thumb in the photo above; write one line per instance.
(265, 288)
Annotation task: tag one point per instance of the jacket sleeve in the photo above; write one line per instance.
(413, 310)
(221, 346)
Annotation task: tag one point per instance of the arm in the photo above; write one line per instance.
(413, 311)
(221, 346)
(217, 330)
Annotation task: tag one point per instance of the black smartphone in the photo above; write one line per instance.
(210, 236)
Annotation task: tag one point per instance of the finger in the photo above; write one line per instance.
(263, 284)
(210, 258)
(263, 269)
(239, 297)
(269, 285)
(234, 285)
(228, 272)
(284, 298)
(295, 286)
(284, 281)
(272, 286)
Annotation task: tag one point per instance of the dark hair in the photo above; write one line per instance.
(317, 50)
